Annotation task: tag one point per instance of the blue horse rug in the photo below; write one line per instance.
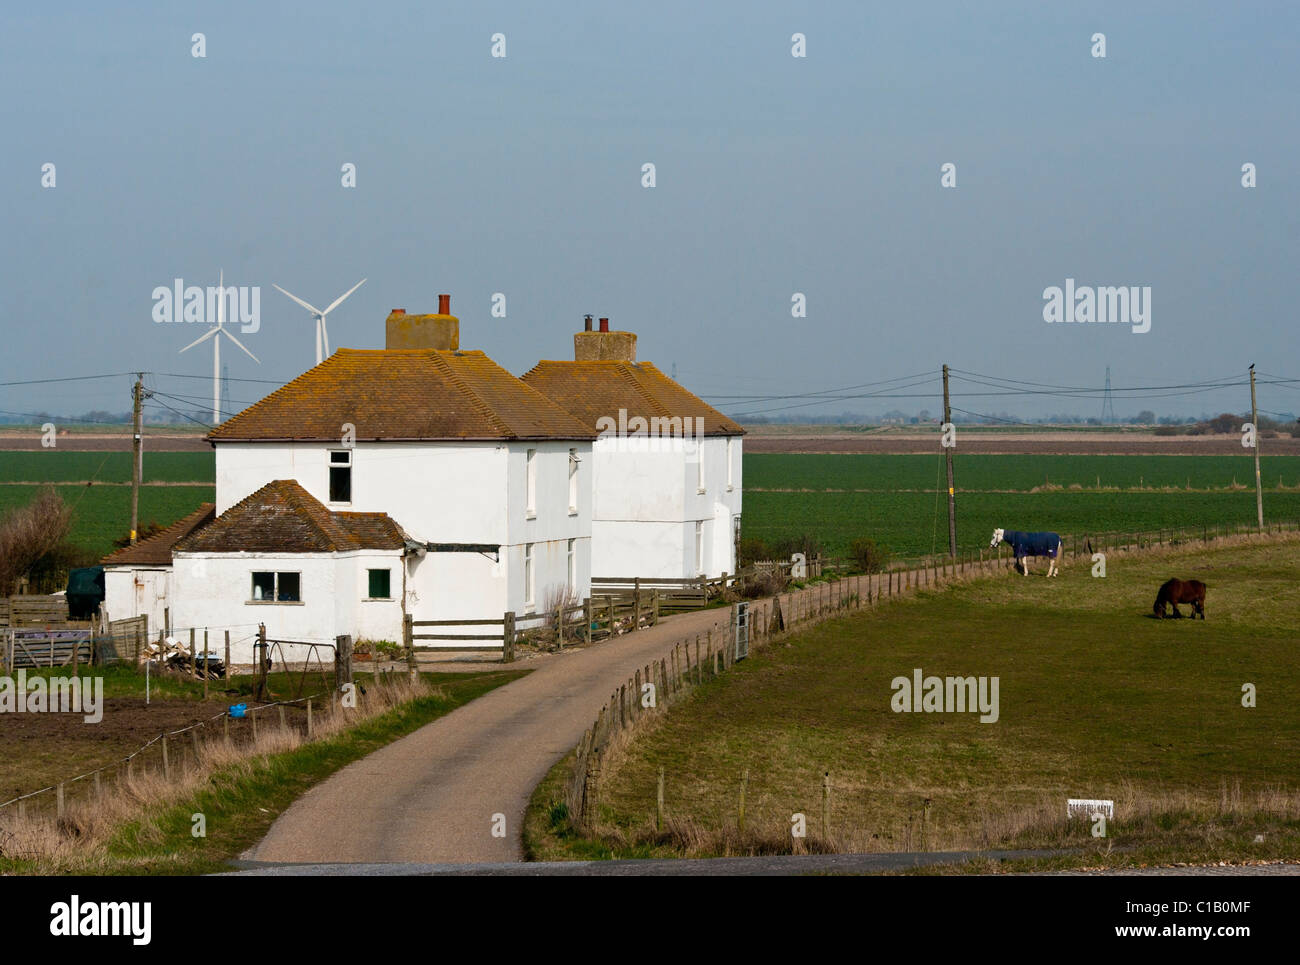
(1032, 544)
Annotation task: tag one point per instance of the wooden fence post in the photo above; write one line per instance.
(58, 800)
(508, 637)
(588, 618)
(309, 727)
(194, 655)
(205, 663)
(342, 660)
(659, 802)
(226, 666)
(826, 806)
(408, 639)
(167, 767)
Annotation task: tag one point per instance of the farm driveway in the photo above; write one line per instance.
(431, 796)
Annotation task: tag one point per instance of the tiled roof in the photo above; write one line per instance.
(403, 394)
(282, 517)
(597, 389)
(157, 549)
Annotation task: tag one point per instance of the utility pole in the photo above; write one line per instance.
(947, 450)
(1254, 424)
(137, 445)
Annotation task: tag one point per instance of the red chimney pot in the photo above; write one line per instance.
(604, 324)
(444, 304)
(399, 311)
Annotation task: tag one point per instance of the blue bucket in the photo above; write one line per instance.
(237, 710)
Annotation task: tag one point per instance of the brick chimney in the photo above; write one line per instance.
(603, 345)
(440, 331)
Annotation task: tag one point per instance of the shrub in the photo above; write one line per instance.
(33, 543)
(867, 556)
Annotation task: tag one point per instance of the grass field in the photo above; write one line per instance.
(915, 524)
(103, 513)
(53, 465)
(837, 498)
(983, 473)
(1097, 700)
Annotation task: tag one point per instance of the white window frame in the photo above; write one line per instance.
(530, 484)
(275, 589)
(573, 481)
(530, 580)
(329, 472)
(573, 565)
(699, 469)
(699, 547)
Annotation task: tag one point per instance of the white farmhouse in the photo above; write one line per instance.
(484, 477)
(138, 578)
(666, 477)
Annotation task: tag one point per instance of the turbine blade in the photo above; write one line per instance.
(325, 335)
(202, 338)
(226, 332)
(336, 301)
(311, 308)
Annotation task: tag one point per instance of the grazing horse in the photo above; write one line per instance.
(1174, 592)
(1025, 545)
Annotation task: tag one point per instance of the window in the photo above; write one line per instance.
(528, 574)
(730, 457)
(380, 586)
(530, 480)
(699, 468)
(573, 481)
(340, 475)
(573, 564)
(699, 548)
(277, 587)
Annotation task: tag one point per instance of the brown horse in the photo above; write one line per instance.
(1175, 592)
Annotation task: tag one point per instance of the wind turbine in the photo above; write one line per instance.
(215, 334)
(322, 333)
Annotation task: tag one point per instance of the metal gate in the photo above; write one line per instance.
(740, 628)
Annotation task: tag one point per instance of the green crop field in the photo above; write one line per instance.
(101, 514)
(1096, 700)
(899, 501)
(54, 465)
(998, 472)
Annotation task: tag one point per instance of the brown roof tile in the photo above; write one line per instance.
(400, 394)
(597, 389)
(282, 517)
(157, 549)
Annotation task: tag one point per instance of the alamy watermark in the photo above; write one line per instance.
(1125, 305)
(53, 695)
(191, 303)
(946, 695)
(656, 434)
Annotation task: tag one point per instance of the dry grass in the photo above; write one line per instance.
(48, 844)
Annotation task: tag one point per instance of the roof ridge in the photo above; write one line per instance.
(475, 400)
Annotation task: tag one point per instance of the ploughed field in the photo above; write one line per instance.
(1095, 700)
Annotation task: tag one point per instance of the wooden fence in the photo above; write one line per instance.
(46, 648)
(33, 611)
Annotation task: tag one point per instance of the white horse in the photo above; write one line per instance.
(1025, 545)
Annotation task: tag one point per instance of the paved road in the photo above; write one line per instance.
(431, 796)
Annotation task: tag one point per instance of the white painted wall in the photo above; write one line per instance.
(447, 493)
(214, 591)
(132, 591)
(647, 499)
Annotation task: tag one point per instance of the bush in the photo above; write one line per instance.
(867, 556)
(787, 546)
(751, 550)
(33, 544)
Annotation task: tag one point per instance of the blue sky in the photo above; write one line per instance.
(775, 175)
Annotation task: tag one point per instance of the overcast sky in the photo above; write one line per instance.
(775, 175)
